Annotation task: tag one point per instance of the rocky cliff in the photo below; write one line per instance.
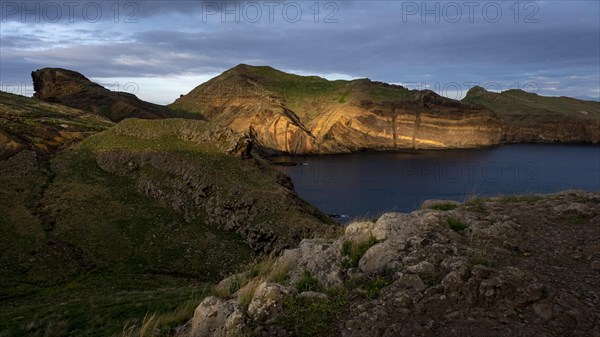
(507, 266)
(308, 114)
(72, 89)
(529, 117)
(286, 113)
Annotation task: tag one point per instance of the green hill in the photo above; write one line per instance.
(141, 218)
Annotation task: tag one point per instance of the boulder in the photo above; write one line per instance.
(361, 231)
(321, 258)
(422, 267)
(215, 317)
(381, 257)
(267, 302)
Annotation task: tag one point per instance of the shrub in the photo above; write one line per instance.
(457, 225)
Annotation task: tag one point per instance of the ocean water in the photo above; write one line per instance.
(368, 184)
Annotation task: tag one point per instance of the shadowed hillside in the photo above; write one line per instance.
(137, 219)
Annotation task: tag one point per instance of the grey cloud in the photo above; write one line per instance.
(64, 12)
(369, 41)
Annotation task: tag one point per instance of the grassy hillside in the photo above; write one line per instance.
(42, 127)
(88, 249)
(96, 246)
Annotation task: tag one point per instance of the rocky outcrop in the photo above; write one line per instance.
(511, 266)
(530, 117)
(304, 115)
(72, 89)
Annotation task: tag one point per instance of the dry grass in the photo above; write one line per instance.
(246, 293)
(244, 285)
(146, 328)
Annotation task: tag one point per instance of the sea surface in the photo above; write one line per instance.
(369, 184)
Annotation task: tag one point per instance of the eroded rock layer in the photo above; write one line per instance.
(303, 115)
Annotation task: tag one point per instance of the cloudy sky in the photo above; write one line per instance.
(161, 49)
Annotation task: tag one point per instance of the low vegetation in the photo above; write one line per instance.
(309, 317)
(374, 285)
(475, 204)
(457, 225)
(448, 206)
(352, 252)
(526, 198)
(308, 283)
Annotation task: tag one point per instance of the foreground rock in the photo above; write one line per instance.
(512, 266)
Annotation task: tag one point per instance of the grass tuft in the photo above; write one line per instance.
(353, 252)
(457, 225)
(478, 259)
(448, 206)
(308, 283)
(246, 293)
(476, 204)
(373, 286)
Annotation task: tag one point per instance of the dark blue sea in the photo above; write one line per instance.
(368, 184)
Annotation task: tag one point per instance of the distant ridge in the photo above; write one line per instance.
(529, 117)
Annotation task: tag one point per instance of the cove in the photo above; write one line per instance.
(370, 183)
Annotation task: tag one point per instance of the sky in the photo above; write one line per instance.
(159, 50)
